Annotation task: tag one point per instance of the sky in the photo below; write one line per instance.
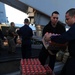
(15, 15)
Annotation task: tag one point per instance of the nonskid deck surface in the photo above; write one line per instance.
(10, 63)
(5, 56)
(14, 68)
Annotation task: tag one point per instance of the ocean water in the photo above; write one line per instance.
(19, 25)
(31, 26)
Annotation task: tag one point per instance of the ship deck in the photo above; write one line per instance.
(10, 63)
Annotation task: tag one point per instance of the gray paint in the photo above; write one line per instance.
(2, 13)
(41, 19)
(16, 4)
(45, 7)
(48, 6)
